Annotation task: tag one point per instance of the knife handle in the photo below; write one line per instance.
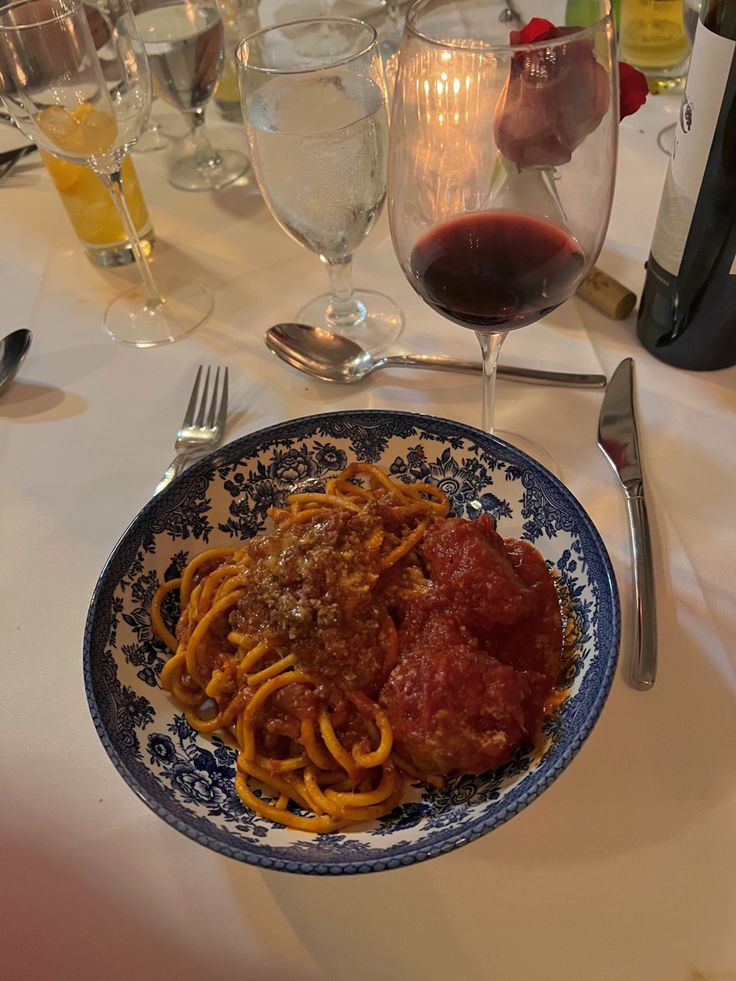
(644, 648)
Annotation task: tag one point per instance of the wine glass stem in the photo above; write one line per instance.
(490, 345)
(207, 156)
(113, 181)
(392, 8)
(343, 310)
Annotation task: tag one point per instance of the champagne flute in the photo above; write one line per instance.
(75, 79)
(185, 44)
(501, 166)
(314, 105)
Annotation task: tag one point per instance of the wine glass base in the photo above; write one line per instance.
(129, 319)
(151, 139)
(532, 449)
(666, 139)
(379, 324)
(188, 174)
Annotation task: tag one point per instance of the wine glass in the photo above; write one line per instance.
(75, 79)
(501, 167)
(184, 41)
(690, 17)
(314, 105)
(392, 29)
(152, 138)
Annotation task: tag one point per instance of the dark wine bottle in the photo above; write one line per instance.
(687, 314)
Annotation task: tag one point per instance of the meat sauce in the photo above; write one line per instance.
(461, 644)
(310, 589)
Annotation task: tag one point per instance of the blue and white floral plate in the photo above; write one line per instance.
(187, 778)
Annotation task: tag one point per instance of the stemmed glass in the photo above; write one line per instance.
(184, 41)
(53, 83)
(314, 105)
(501, 167)
(392, 29)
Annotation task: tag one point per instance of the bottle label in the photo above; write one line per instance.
(701, 105)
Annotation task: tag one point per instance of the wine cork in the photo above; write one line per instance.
(606, 294)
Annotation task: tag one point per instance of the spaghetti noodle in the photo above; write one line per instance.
(284, 643)
(367, 640)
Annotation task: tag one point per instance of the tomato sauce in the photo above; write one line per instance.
(480, 651)
(460, 642)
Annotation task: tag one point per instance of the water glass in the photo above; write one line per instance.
(314, 104)
(184, 41)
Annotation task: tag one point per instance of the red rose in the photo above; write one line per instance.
(555, 97)
(632, 89)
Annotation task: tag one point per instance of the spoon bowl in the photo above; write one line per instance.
(333, 358)
(320, 353)
(13, 350)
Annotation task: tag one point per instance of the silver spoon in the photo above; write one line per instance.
(13, 349)
(330, 357)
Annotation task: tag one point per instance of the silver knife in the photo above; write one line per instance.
(617, 437)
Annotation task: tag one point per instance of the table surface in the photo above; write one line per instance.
(623, 869)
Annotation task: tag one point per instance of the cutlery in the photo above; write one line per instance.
(13, 349)
(202, 426)
(618, 438)
(10, 158)
(330, 357)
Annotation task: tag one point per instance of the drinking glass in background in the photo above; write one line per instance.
(152, 138)
(501, 167)
(76, 81)
(690, 15)
(391, 34)
(93, 214)
(184, 41)
(239, 19)
(652, 38)
(314, 104)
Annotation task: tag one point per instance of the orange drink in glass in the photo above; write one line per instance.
(93, 214)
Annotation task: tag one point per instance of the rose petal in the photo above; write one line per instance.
(633, 89)
(538, 29)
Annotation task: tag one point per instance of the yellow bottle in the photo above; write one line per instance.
(93, 214)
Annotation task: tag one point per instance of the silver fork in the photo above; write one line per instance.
(202, 427)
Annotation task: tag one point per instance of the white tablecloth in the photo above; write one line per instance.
(624, 870)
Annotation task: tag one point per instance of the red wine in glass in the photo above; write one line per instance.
(496, 270)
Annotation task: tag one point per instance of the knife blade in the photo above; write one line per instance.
(619, 440)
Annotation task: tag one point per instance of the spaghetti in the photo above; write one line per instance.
(284, 643)
(367, 640)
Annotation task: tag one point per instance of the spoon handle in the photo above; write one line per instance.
(535, 376)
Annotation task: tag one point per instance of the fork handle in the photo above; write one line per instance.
(178, 465)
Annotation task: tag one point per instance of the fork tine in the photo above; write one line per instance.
(213, 400)
(203, 404)
(191, 408)
(222, 414)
